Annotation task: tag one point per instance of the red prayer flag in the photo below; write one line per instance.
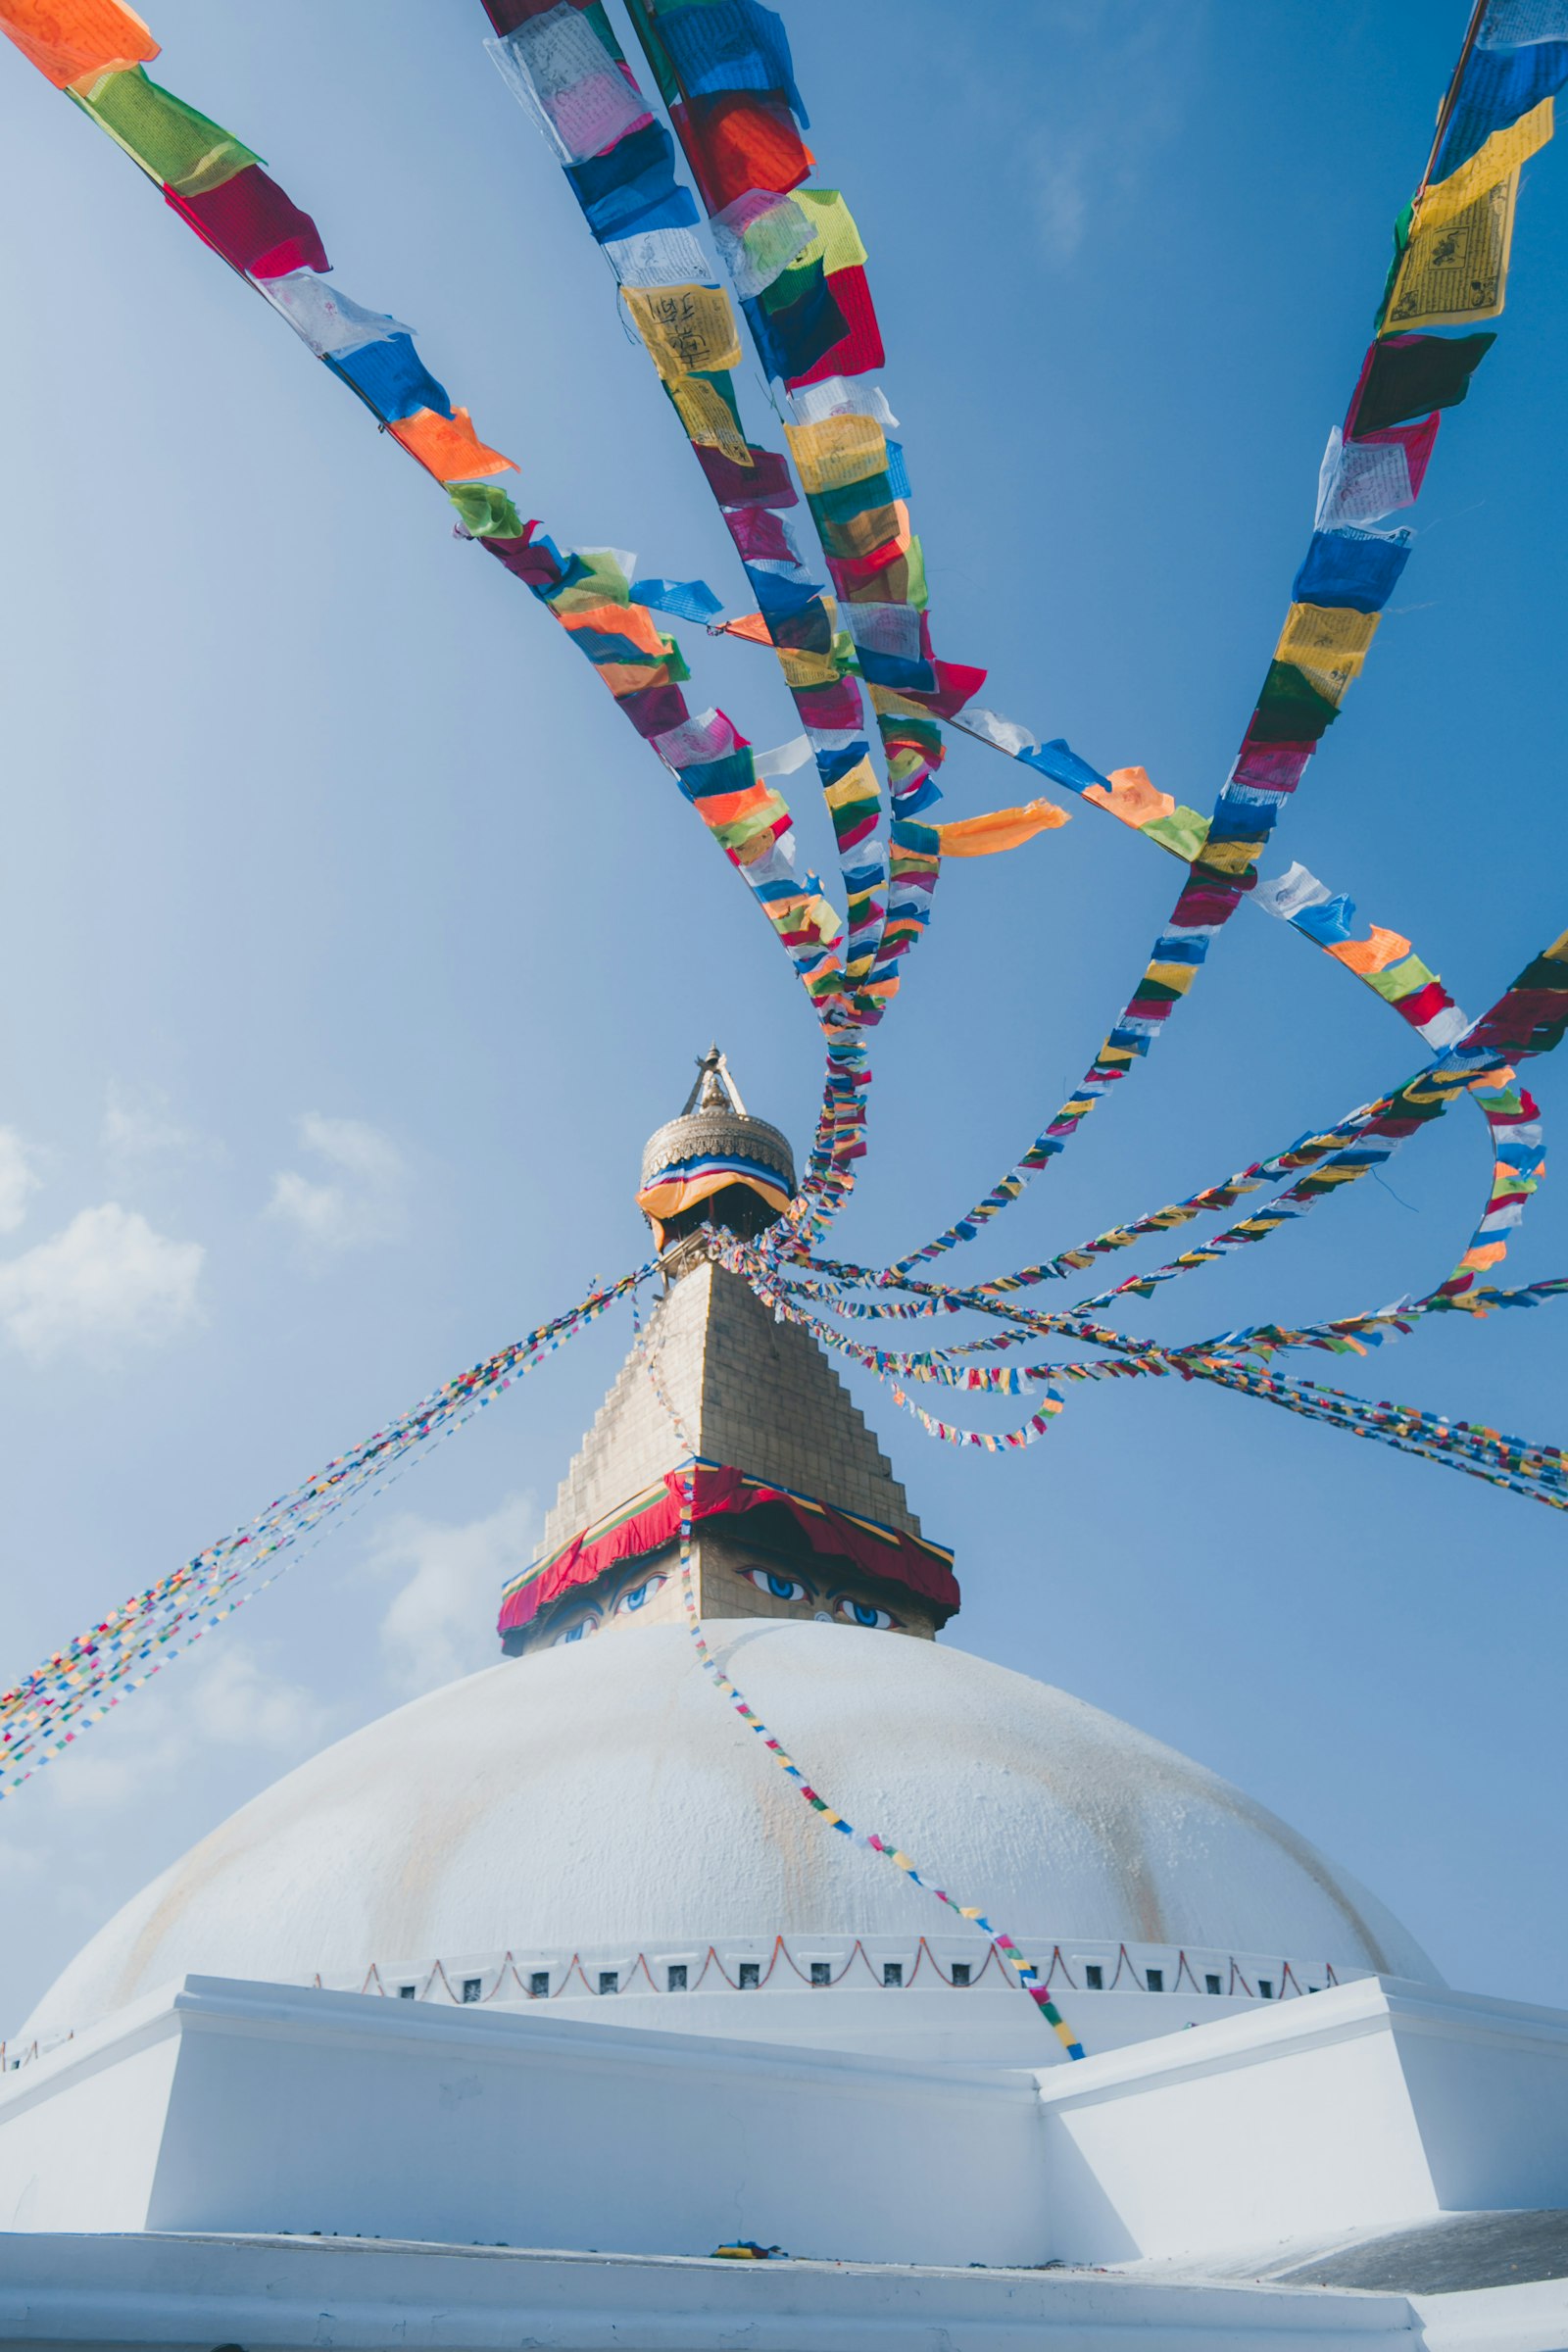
(741, 140)
(859, 348)
(254, 225)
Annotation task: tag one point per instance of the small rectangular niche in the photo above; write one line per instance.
(961, 1973)
(470, 1987)
(1265, 1988)
(1155, 1979)
(539, 1985)
(821, 1972)
(751, 1975)
(1095, 1977)
(675, 1977)
(893, 1972)
(1212, 1983)
(407, 1993)
(609, 1979)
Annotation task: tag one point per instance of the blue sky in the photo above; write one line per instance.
(352, 944)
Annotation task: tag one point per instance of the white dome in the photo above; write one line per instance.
(602, 1794)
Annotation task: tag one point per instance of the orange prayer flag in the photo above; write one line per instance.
(723, 807)
(634, 622)
(1374, 954)
(998, 829)
(632, 677)
(1132, 797)
(448, 446)
(71, 40)
(751, 625)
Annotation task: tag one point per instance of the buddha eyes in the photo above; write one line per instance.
(861, 1613)
(639, 1596)
(845, 1607)
(576, 1633)
(782, 1588)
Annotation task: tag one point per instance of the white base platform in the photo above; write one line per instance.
(226, 2162)
(176, 2294)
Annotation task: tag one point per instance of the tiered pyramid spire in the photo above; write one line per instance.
(797, 1510)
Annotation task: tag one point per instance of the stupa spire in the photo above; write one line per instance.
(796, 1507)
(715, 1089)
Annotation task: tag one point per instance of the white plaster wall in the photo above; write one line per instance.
(79, 2134)
(1488, 2084)
(335, 2112)
(1371, 2105)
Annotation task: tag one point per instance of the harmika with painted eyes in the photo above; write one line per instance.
(842, 1608)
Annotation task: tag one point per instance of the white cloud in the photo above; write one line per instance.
(140, 1125)
(105, 1280)
(1123, 78)
(18, 1182)
(364, 1199)
(441, 1622)
(222, 1700)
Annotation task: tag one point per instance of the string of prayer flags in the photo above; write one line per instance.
(1529, 1019)
(713, 765)
(560, 61)
(1532, 1471)
(1354, 1335)
(1405, 381)
(796, 262)
(79, 1686)
(1383, 960)
(97, 50)
(782, 257)
(1328, 629)
(1538, 1471)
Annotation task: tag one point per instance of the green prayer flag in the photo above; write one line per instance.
(488, 513)
(181, 149)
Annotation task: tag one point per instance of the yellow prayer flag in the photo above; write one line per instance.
(838, 451)
(1457, 271)
(1492, 162)
(841, 248)
(802, 668)
(1328, 645)
(688, 329)
(1313, 631)
(858, 783)
(1232, 857)
(706, 414)
(888, 703)
(863, 534)
(1000, 829)
(1179, 977)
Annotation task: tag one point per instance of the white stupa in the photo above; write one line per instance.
(556, 1955)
